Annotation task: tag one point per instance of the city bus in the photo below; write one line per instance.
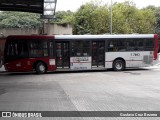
(42, 53)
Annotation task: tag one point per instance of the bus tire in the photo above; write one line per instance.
(40, 68)
(118, 65)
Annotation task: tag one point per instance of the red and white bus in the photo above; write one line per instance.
(79, 52)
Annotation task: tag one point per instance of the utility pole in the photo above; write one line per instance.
(48, 14)
(111, 19)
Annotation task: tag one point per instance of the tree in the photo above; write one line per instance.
(123, 17)
(128, 19)
(157, 28)
(19, 20)
(94, 18)
(157, 15)
(91, 18)
(146, 21)
(64, 17)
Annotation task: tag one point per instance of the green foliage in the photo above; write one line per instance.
(91, 19)
(128, 19)
(123, 17)
(146, 21)
(94, 18)
(157, 28)
(19, 20)
(64, 17)
(156, 10)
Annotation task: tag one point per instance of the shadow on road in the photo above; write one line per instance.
(3, 73)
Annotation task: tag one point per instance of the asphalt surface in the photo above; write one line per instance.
(129, 90)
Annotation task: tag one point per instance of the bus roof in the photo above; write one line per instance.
(104, 36)
(82, 36)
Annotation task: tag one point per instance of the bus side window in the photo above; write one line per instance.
(38, 48)
(149, 44)
(116, 45)
(121, 45)
(130, 44)
(111, 45)
(80, 48)
(140, 44)
(18, 48)
(11, 49)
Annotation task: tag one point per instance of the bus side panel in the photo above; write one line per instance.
(51, 65)
(132, 59)
(26, 65)
(80, 63)
(18, 65)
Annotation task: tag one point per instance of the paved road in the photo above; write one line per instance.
(130, 90)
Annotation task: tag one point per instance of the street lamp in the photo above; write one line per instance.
(111, 19)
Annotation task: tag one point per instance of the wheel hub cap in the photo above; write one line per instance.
(119, 66)
(42, 68)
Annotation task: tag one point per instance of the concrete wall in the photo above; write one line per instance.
(16, 31)
(54, 29)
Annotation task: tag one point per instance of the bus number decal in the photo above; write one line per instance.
(135, 54)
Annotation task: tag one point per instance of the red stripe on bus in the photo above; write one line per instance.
(156, 47)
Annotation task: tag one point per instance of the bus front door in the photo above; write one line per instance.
(98, 54)
(62, 55)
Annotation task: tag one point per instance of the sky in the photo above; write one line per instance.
(73, 5)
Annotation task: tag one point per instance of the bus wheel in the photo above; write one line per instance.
(40, 68)
(118, 65)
